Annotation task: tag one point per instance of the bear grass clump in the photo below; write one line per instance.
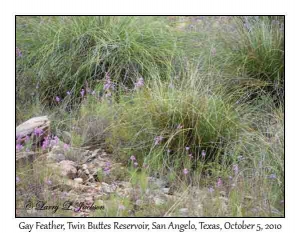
(162, 122)
(61, 54)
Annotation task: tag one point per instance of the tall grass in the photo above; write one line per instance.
(210, 105)
(63, 54)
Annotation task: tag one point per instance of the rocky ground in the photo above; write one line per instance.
(88, 178)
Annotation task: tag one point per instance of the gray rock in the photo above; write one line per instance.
(159, 200)
(67, 137)
(68, 168)
(183, 212)
(78, 180)
(25, 158)
(165, 190)
(56, 154)
(107, 188)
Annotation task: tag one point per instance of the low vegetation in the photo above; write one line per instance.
(196, 101)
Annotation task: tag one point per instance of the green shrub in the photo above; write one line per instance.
(61, 54)
(157, 124)
(252, 55)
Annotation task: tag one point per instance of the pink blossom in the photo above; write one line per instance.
(185, 171)
(19, 147)
(203, 153)
(82, 92)
(139, 83)
(132, 158)
(157, 140)
(235, 168)
(219, 182)
(66, 146)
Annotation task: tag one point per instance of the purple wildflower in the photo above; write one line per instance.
(82, 92)
(57, 99)
(18, 179)
(157, 140)
(139, 83)
(48, 182)
(38, 131)
(235, 168)
(19, 147)
(18, 52)
(66, 146)
(203, 154)
(135, 164)
(132, 158)
(46, 143)
(106, 171)
(19, 139)
(108, 85)
(211, 189)
(121, 207)
(185, 171)
(219, 182)
(68, 93)
(272, 176)
(27, 149)
(187, 148)
(168, 151)
(27, 138)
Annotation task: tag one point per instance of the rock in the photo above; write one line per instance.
(249, 198)
(157, 183)
(223, 193)
(81, 174)
(166, 190)
(139, 202)
(183, 212)
(56, 154)
(78, 180)
(28, 127)
(25, 158)
(107, 188)
(84, 166)
(68, 168)
(159, 200)
(66, 136)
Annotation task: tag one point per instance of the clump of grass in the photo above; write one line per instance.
(162, 121)
(61, 54)
(252, 51)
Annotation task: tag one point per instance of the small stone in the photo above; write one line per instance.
(249, 198)
(107, 188)
(223, 193)
(139, 202)
(166, 190)
(78, 180)
(183, 212)
(84, 166)
(68, 168)
(67, 137)
(159, 201)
